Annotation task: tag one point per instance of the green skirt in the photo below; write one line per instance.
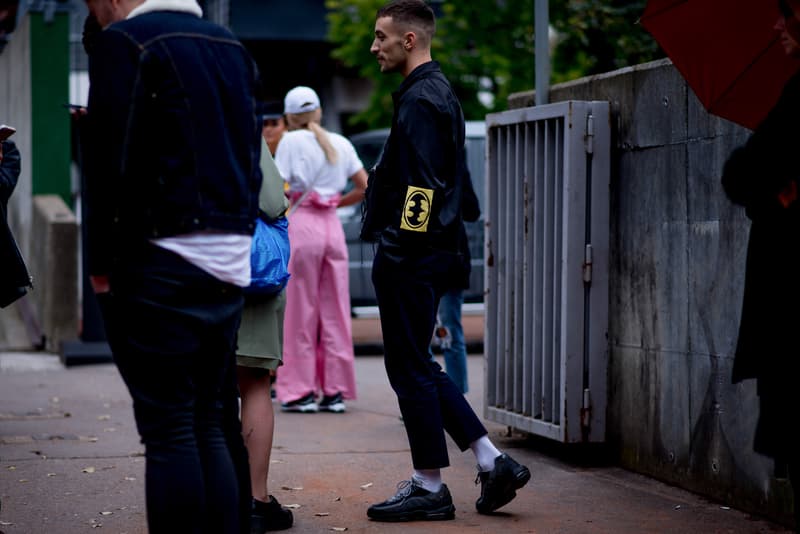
(260, 338)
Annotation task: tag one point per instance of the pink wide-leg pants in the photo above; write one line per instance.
(317, 328)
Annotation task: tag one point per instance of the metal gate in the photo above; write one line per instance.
(547, 182)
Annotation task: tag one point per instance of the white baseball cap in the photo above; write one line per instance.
(301, 99)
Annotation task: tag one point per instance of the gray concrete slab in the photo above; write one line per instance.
(70, 462)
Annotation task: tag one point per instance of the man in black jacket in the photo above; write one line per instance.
(14, 278)
(172, 196)
(414, 212)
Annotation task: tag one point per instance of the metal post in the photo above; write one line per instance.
(542, 32)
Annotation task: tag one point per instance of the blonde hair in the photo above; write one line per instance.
(310, 120)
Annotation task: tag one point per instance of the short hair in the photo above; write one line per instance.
(415, 13)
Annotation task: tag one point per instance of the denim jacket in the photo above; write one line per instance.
(174, 138)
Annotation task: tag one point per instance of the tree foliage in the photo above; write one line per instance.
(597, 36)
(486, 47)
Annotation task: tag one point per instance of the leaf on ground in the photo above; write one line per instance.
(365, 486)
(23, 480)
(88, 469)
(106, 513)
(130, 479)
(338, 529)
(322, 514)
(291, 506)
(12, 467)
(5, 524)
(290, 488)
(51, 474)
(103, 417)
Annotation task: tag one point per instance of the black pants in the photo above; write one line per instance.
(172, 330)
(431, 403)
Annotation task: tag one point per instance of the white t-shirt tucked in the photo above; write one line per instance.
(224, 256)
(301, 162)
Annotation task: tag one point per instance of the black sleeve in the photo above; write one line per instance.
(756, 172)
(9, 170)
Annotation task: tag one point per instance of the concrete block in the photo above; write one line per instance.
(54, 267)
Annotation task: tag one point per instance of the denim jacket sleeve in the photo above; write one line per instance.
(112, 72)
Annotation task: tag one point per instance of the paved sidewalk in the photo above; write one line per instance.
(70, 462)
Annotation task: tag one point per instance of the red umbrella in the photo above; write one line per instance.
(727, 51)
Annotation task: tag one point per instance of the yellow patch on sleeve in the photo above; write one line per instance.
(417, 209)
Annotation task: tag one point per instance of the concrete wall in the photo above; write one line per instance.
(676, 281)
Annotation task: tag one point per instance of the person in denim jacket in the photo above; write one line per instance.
(172, 196)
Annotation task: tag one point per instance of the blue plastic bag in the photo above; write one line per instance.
(269, 257)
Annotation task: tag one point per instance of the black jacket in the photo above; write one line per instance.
(14, 278)
(414, 195)
(174, 138)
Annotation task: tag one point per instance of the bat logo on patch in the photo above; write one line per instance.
(417, 209)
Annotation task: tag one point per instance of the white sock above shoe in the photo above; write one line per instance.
(429, 479)
(485, 452)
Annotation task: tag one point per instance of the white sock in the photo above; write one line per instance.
(485, 452)
(429, 479)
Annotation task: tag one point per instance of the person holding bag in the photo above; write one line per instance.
(258, 355)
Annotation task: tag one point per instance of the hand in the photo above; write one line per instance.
(100, 284)
(788, 194)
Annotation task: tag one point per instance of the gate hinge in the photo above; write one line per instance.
(587, 264)
(586, 409)
(589, 139)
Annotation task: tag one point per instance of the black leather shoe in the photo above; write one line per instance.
(268, 516)
(498, 486)
(414, 503)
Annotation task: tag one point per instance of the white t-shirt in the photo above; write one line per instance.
(301, 162)
(222, 255)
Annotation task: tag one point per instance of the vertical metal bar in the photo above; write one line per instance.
(490, 266)
(502, 268)
(538, 279)
(550, 237)
(528, 270)
(559, 217)
(519, 261)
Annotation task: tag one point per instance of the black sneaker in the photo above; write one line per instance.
(498, 486)
(332, 403)
(412, 503)
(268, 516)
(305, 404)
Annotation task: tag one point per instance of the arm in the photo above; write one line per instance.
(355, 195)
(10, 168)
(761, 174)
(112, 71)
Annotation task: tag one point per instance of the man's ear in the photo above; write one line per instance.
(409, 41)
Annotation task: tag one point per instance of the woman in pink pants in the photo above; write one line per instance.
(318, 342)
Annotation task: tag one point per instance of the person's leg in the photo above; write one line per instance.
(232, 427)
(336, 334)
(298, 375)
(455, 353)
(171, 329)
(258, 425)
